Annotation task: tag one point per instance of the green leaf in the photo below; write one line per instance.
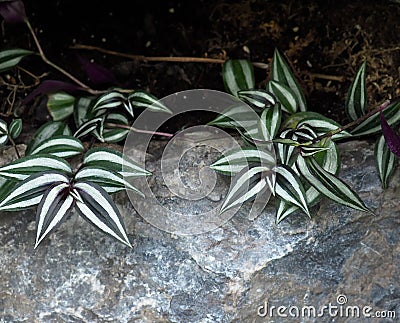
(55, 206)
(113, 161)
(110, 181)
(24, 167)
(112, 135)
(234, 161)
(270, 122)
(385, 161)
(290, 188)
(12, 57)
(97, 207)
(247, 185)
(282, 73)
(60, 105)
(46, 131)
(145, 100)
(3, 132)
(238, 74)
(284, 95)
(89, 126)
(237, 116)
(372, 125)
(328, 184)
(356, 100)
(81, 110)
(109, 100)
(29, 192)
(60, 146)
(257, 99)
(15, 128)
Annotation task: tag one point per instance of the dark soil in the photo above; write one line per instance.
(325, 41)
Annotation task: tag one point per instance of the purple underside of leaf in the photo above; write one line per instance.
(96, 73)
(391, 138)
(51, 86)
(13, 11)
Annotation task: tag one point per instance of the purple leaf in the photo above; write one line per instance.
(13, 11)
(391, 138)
(96, 73)
(51, 86)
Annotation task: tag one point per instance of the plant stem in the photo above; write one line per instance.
(15, 146)
(180, 59)
(121, 126)
(55, 66)
(353, 123)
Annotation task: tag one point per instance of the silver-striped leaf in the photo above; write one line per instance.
(109, 100)
(24, 167)
(329, 185)
(235, 160)
(372, 125)
(88, 127)
(11, 58)
(356, 100)
(270, 122)
(110, 181)
(385, 161)
(3, 132)
(282, 73)
(284, 95)
(54, 207)
(82, 110)
(290, 188)
(145, 100)
(29, 192)
(60, 146)
(60, 105)
(247, 185)
(258, 99)
(15, 128)
(238, 75)
(46, 131)
(113, 135)
(97, 207)
(114, 161)
(235, 117)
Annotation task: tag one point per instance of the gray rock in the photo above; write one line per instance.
(225, 275)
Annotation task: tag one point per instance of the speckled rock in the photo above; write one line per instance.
(235, 273)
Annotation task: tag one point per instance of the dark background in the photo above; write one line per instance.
(325, 41)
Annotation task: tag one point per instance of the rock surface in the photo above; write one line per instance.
(227, 275)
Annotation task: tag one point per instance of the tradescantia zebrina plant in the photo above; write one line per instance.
(305, 142)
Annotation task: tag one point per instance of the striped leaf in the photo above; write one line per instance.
(238, 74)
(284, 95)
(385, 161)
(109, 100)
(290, 188)
(88, 127)
(46, 131)
(372, 125)
(113, 161)
(60, 146)
(97, 207)
(60, 105)
(12, 57)
(15, 128)
(246, 186)
(110, 181)
(54, 207)
(145, 100)
(112, 135)
(3, 132)
(329, 160)
(286, 150)
(356, 100)
(270, 121)
(235, 117)
(24, 167)
(81, 110)
(257, 99)
(282, 73)
(329, 185)
(6, 187)
(29, 192)
(234, 161)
